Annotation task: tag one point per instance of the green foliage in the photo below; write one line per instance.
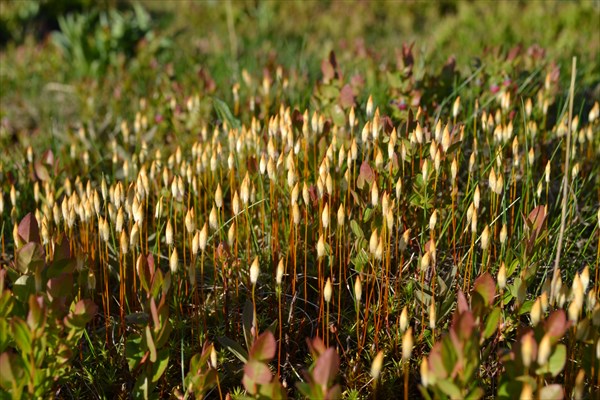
(258, 379)
(42, 320)
(150, 151)
(454, 361)
(203, 372)
(92, 42)
(20, 18)
(322, 373)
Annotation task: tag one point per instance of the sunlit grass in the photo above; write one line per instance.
(415, 231)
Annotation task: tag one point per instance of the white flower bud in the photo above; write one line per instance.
(357, 289)
(327, 291)
(254, 271)
(279, 274)
(174, 261)
(341, 216)
(169, 233)
(321, 247)
(407, 344)
(203, 237)
(502, 276)
(404, 319)
(456, 107)
(377, 365)
(325, 216)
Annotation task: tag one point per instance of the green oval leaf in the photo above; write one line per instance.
(30, 257)
(491, 323)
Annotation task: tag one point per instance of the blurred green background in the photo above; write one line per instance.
(67, 61)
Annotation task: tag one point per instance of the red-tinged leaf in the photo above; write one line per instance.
(62, 250)
(465, 325)
(486, 287)
(258, 372)
(366, 172)
(347, 96)
(154, 312)
(556, 325)
(61, 286)
(357, 82)
(249, 384)
(334, 392)
(316, 346)
(207, 348)
(429, 245)
(327, 70)
(41, 172)
(394, 162)
(3, 273)
(436, 364)
(326, 367)
(386, 124)
(30, 257)
(85, 310)
(536, 218)
(514, 53)
(407, 56)
(462, 304)
(28, 229)
(264, 347)
(415, 98)
(151, 267)
(48, 157)
(36, 315)
(536, 52)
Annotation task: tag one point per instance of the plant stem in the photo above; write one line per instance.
(565, 181)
